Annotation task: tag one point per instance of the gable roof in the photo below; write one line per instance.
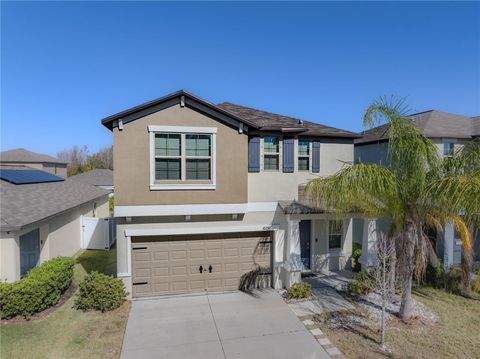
(181, 97)
(95, 177)
(432, 124)
(268, 121)
(255, 119)
(21, 155)
(30, 203)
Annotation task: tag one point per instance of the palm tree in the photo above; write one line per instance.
(403, 191)
(459, 188)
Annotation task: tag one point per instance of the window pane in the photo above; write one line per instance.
(167, 169)
(448, 149)
(335, 230)
(270, 162)
(303, 147)
(198, 145)
(270, 144)
(198, 169)
(167, 144)
(303, 164)
(335, 241)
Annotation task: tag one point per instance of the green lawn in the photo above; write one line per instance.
(457, 335)
(67, 332)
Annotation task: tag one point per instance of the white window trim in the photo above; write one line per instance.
(188, 185)
(279, 153)
(309, 156)
(335, 251)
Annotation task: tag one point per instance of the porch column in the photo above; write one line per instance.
(448, 244)
(369, 243)
(293, 261)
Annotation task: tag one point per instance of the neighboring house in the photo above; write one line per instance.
(448, 132)
(42, 218)
(102, 178)
(207, 196)
(23, 157)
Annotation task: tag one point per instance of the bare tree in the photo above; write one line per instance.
(102, 159)
(382, 274)
(79, 160)
(76, 157)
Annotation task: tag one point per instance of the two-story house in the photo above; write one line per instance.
(448, 132)
(207, 196)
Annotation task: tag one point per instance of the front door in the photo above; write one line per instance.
(29, 251)
(305, 228)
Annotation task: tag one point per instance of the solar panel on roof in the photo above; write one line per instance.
(16, 176)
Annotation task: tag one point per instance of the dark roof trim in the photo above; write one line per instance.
(172, 99)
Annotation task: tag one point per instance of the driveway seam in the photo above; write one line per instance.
(216, 328)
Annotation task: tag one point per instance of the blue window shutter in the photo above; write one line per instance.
(288, 155)
(316, 157)
(254, 154)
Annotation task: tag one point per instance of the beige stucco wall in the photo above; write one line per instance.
(267, 186)
(131, 154)
(59, 236)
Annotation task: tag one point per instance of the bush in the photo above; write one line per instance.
(435, 275)
(101, 292)
(361, 284)
(476, 284)
(357, 252)
(300, 290)
(453, 280)
(450, 280)
(40, 289)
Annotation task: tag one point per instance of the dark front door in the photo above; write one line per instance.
(29, 251)
(305, 229)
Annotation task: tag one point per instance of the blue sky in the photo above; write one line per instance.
(66, 65)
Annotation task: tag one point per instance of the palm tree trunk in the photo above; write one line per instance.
(393, 268)
(408, 265)
(467, 263)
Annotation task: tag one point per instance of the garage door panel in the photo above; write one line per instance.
(171, 265)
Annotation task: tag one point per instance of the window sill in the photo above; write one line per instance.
(181, 186)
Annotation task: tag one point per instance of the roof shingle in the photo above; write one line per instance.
(433, 124)
(268, 121)
(21, 205)
(21, 155)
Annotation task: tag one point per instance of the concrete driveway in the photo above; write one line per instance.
(226, 325)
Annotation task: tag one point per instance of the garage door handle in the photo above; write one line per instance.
(210, 269)
(200, 269)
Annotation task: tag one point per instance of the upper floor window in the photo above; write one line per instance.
(335, 232)
(271, 153)
(182, 157)
(448, 149)
(303, 155)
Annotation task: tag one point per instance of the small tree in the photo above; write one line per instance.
(382, 275)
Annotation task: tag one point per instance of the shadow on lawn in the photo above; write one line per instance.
(103, 261)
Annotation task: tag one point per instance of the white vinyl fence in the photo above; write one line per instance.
(96, 233)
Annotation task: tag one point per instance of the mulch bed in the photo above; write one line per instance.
(35, 316)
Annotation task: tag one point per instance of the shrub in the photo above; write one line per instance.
(361, 284)
(435, 275)
(300, 290)
(40, 289)
(101, 292)
(357, 252)
(453, 280)
(450, 280)
(476, 284)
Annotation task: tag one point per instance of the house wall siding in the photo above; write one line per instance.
(59, 236)
(132, 161)
(267, 186)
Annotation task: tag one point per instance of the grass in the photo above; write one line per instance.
(455, 336)
(67, 332)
